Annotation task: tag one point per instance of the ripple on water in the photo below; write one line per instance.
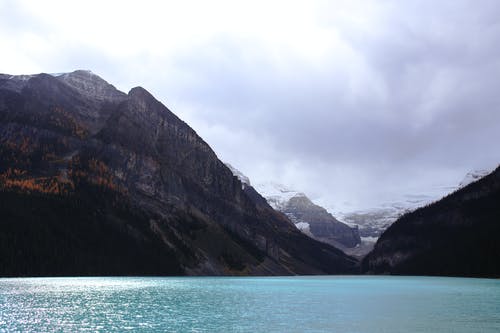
(290, 304)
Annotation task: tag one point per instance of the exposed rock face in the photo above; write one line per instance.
(456, 236)
(311, 219)
(142, 185)
(92, 86)
(320, 224)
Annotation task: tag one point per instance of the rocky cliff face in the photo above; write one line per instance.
(455, 236)
(320, 224)
(311, 219)
(95, 181)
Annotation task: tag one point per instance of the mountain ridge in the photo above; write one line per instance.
(454, 236)
(311, 219)
(374, 221)
(71, 137)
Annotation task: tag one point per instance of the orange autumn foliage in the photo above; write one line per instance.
(95, 172)
(48, 185)
(65, 120)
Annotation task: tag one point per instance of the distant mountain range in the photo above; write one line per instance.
(94, 181)
(372, 222)
(456, 236)
(313, 220)
(316, 222)
(310, 218)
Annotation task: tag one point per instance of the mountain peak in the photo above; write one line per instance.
(91, 85)
(311, 219)
(145, 195)
(139, 92)
(278, 195)
(455, 236)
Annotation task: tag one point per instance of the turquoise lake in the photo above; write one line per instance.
(274, 304)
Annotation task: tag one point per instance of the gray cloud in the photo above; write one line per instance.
(356, 103)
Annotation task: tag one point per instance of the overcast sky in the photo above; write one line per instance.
(353, 102)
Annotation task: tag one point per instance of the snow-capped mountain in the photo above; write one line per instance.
(374, 221)
(368, 224)
(311, 219)
(455, 236)
(308, 217)
(277, 195)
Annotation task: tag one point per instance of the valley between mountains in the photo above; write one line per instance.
(95, 181)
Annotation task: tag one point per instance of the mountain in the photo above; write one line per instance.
(245, 182)
(94, 181)
(374, 221)
(455, 236)
(311, 219)
(473, 176)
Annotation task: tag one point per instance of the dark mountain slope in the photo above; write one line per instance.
(95, 181)
(456, 236)
(322, 225)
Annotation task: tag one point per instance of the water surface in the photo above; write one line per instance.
(277, 304)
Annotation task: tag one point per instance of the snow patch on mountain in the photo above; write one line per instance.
(58, 74)
(23, 77)
(303, 226)
(374, 221)
(309, 218)
(245, 181)
(473, 176)
(277, 195)
(90, 84)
